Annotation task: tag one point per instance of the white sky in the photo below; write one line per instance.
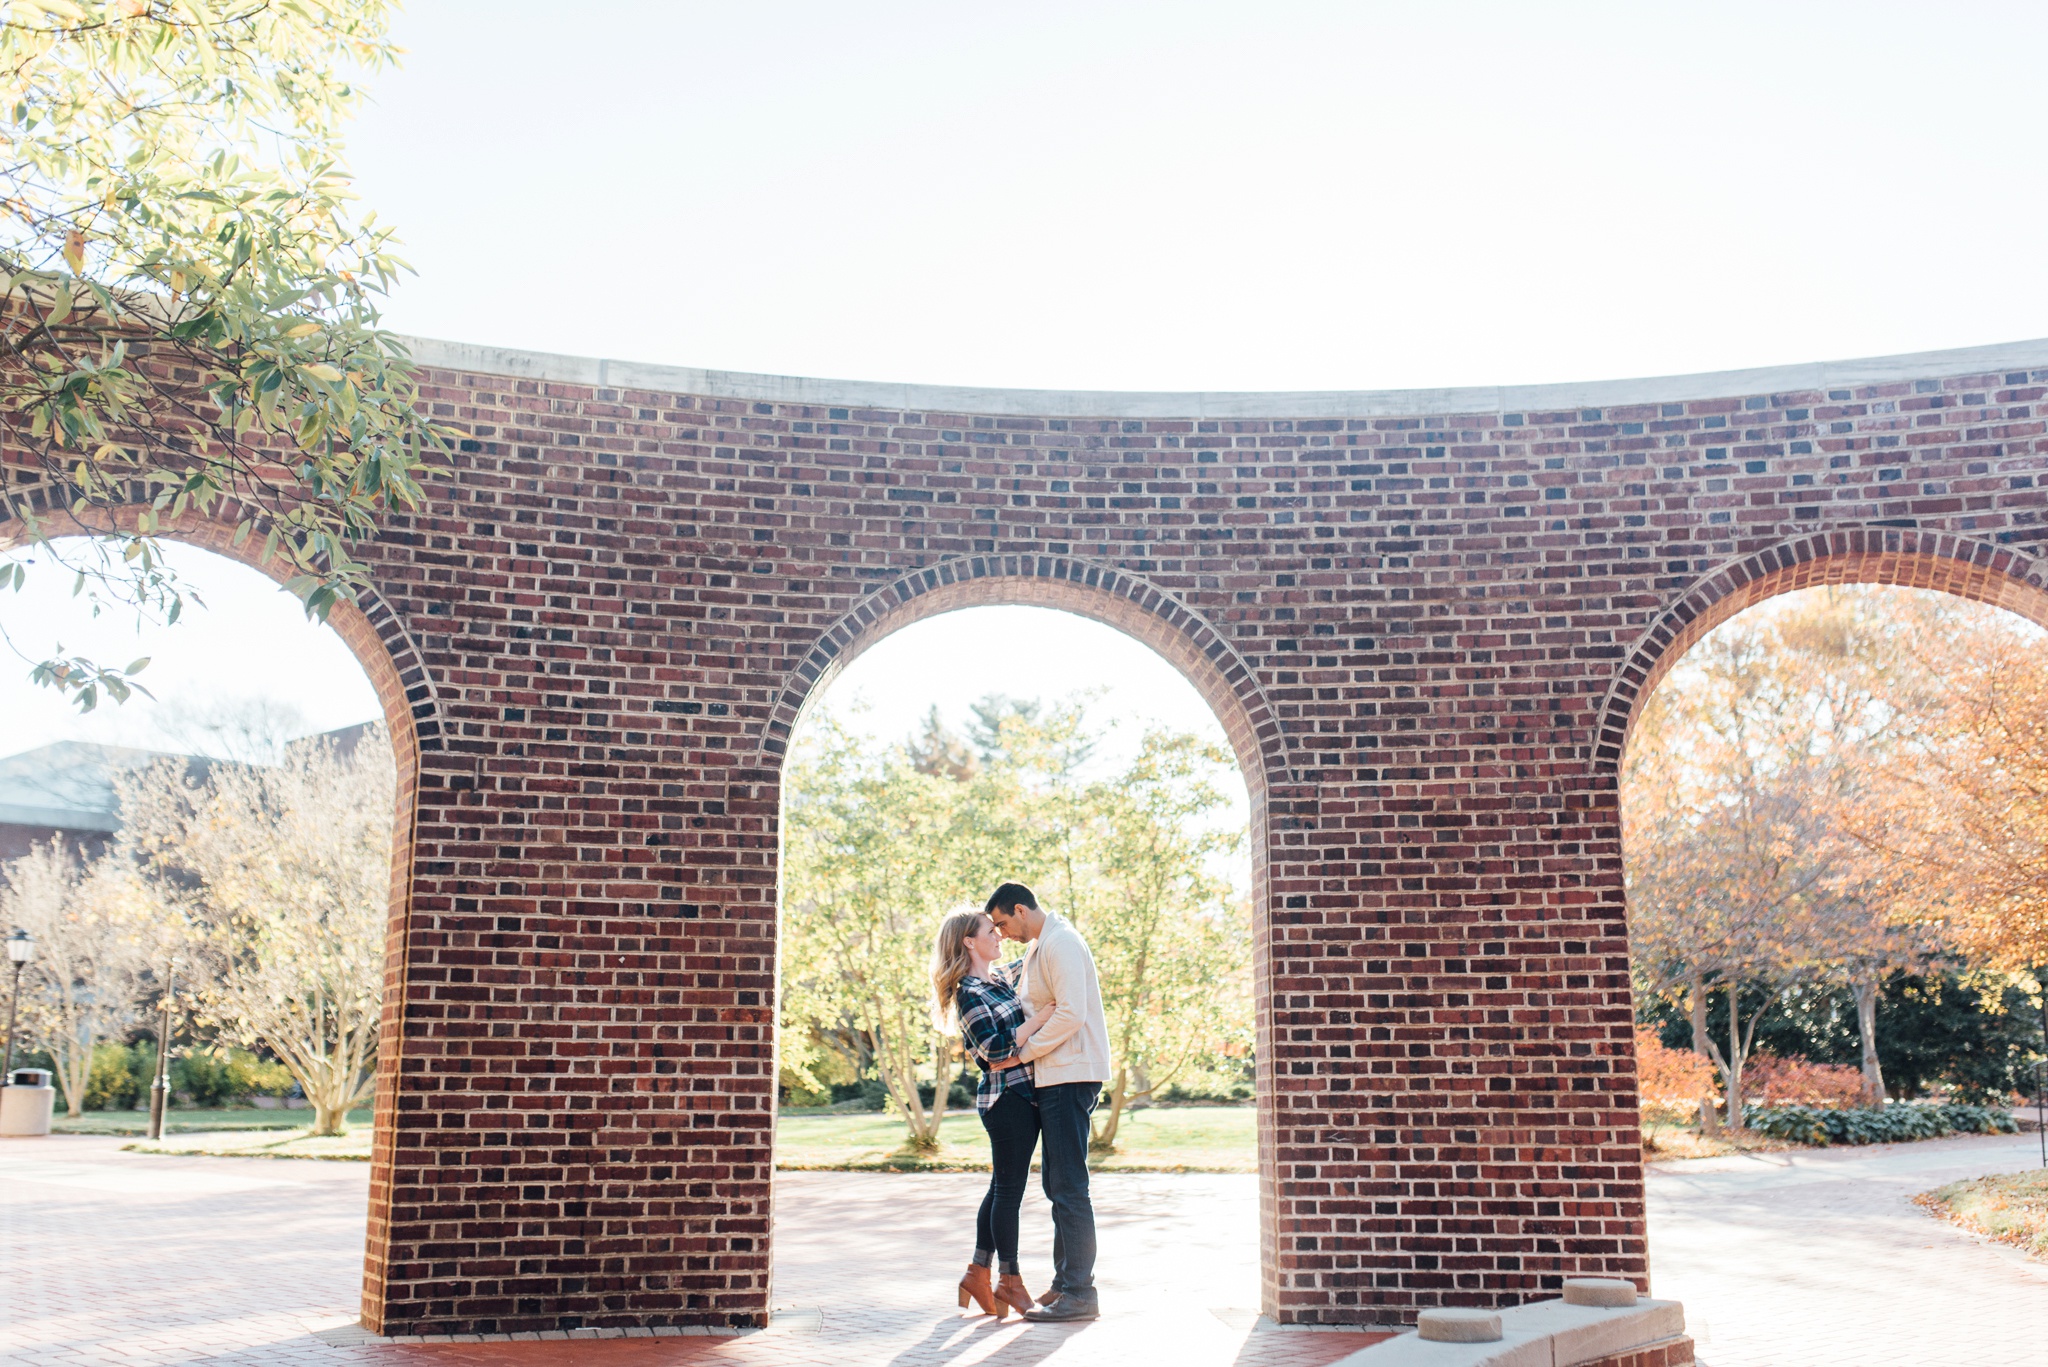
(249, 651)
(958, 658)
(1184, 196)
(1202, 195)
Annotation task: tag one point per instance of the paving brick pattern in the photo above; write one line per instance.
(1425, 634)
(1800, 1260)
(1781, 1261)
(144, 1261)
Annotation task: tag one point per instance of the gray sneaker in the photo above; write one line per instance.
(1064, 1309)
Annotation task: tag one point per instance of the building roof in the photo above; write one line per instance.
(68, 785)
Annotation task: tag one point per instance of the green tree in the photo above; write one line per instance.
(189, 320)
(881, 841)
(871, 862)
(1171, 939)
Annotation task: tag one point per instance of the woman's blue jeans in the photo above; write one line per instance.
(1012, 1125)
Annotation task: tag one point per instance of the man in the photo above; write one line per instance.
(1069, 1058)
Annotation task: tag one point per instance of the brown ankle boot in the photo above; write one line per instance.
(974, 1285)
(1011, 1295)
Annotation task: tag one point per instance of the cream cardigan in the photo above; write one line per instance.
(1059, 972)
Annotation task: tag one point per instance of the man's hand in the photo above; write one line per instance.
(1032, 1021)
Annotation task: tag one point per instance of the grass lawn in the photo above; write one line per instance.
(250, 1143)
(178, 1121)
(1181, 1139)
(2011, 1207)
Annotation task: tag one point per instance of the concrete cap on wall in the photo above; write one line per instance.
(1602, 1291)
(1459, 1326)
(1813, 377)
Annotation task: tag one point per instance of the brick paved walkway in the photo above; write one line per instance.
(1801, 1259)
(109, 1257)
(1782, 1261)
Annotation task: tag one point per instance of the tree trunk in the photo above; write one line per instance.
(1141, 1086)
(1703, 1045)
(942, 1083)
(899, 1075)
(1696, 1009)
(328, 1118)
(1103, 1140)
(1736, 1057)
(72, 1060)
(2041, 982)
(1865, 993)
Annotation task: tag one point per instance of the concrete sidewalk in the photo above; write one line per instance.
(1817, 1257)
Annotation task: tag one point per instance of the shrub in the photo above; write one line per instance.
(1666, 1076)
(1220, 1093)
(119, 1077)
(1875, 1125)
(868, 1094)
(1770, 1080)
(213, 1078)
(959, 1096)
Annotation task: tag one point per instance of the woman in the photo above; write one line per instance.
(971, 990)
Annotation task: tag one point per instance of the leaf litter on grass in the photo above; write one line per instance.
(2011, 1207)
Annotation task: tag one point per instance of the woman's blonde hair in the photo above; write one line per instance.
(951, 959)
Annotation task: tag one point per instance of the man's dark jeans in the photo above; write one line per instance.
(1063, 1112)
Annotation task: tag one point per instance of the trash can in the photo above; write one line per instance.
(26, 1103)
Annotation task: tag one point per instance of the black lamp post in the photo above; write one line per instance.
(2041, 1107)
(21, 947)
(159, 1086)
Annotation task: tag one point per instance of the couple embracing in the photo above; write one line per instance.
(1037, 1029)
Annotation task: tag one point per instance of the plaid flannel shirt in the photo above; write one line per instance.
(990, 1012)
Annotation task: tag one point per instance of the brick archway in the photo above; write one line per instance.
(1906, 557)
(377, 636)
(1102, 593)
(1431, 612)
(1159, 620)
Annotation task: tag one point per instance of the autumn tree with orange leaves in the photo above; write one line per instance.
(1746, 799)
(1963, 812)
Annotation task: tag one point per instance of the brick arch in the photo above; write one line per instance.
(390, 658)
(1901, 556)
(1204, 657)
(373, 631)
(1113, 597)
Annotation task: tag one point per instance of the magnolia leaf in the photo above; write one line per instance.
(303, 330)
(59, 9)
(321, 371)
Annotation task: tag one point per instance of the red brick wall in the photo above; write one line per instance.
(1425, 634)
(1676, 1352)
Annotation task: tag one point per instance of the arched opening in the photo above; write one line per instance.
(1193, 661)
(1829, 910)
(1963, 566)
(255, 687)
